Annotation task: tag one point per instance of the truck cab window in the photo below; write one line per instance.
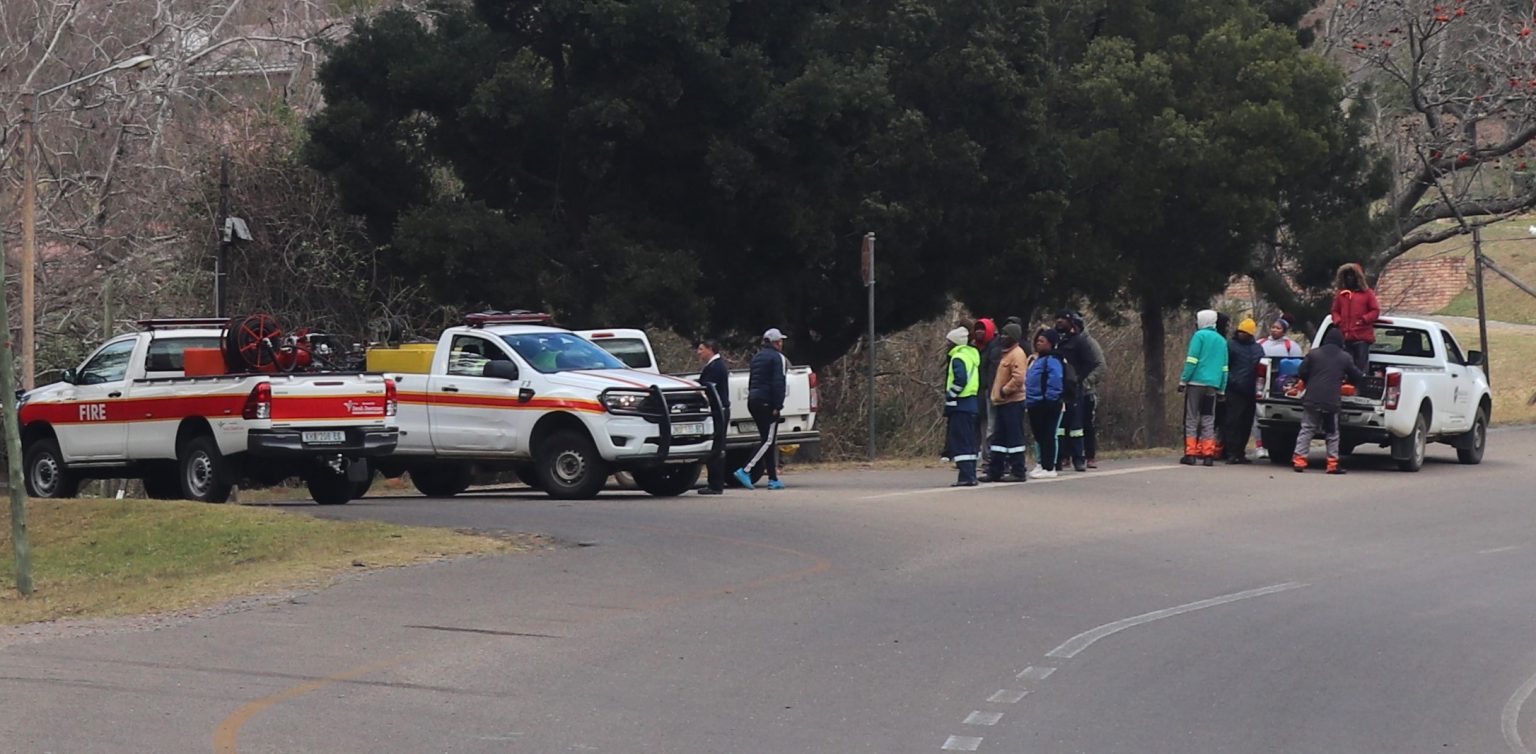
(628, 350)
(1452, 351)
(469, 354)
(110, 364)
(168, 354)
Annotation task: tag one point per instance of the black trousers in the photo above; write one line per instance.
(768, 429)
(716, 464)
(1239, 423)
(1360, 351)
(1044, 421)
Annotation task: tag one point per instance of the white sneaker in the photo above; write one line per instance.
(1044, 474)
(1036, 471)
(1261, 453)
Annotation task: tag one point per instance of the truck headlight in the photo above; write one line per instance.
(623, 402)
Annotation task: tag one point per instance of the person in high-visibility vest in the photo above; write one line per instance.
(962, 383)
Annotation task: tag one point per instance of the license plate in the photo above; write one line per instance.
(324, 437)
(688, 429)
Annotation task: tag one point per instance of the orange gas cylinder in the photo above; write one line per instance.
(1347, 390)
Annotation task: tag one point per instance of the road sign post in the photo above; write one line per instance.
(867, 269)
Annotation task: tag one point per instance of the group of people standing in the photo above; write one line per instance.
(995, 382)
(1220, 377)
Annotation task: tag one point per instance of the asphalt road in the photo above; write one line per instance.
(1146, 608)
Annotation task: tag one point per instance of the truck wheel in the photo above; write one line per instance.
(441, 481)
(569, 467)
(1474, 441)
(360, 489)
(329, 489)
(668, 481)
(1414, 445)
(203, 472)
(47, 476)
(1281, 445)
(528, 474)
(162, 484)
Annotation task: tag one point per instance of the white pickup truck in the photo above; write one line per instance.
(130, 411)
(506, 392)
(1421, 387)
(801, 399)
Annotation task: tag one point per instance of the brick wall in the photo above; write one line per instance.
(1421, 285)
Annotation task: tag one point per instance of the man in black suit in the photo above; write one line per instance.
(716, 376)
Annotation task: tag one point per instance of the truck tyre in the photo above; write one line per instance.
(441, 481)
(360, 489)
(47, 476)
(1281, 445)
(668, 481)
(569, 467)
(162, 484)
(329, 489)
(1470, 450)
(1413, 446)
(203, 471)
(528, 474)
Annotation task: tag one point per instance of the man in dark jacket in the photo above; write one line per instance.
(716, 377)
(1324, 371)
(982, 335)
(1074, 350)
(765, 401)
(1243, 356)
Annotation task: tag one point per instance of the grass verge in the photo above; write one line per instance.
(103, 558)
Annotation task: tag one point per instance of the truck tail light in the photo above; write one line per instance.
(258, 405)
(1394, 389)
(1261, 379)
(815, 393)
(391, 398)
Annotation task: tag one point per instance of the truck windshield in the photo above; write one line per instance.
(551, 352)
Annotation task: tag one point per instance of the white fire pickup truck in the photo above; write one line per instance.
(802, 398)
(130, 411)
(505, 391)
(1420, 388)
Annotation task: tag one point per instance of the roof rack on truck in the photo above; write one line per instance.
(167, 324)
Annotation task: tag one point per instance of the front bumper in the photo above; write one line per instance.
(289, 443)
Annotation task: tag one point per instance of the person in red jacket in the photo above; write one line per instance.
(1355, 311)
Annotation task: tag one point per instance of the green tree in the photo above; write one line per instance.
(1199, 132)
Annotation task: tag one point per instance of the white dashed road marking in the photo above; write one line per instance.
(962, 743)
(1007, 696)
(1086, 639)
(1033, 673)
(1498, 549)
(983, 718)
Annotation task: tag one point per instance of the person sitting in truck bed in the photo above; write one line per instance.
(1324, 372)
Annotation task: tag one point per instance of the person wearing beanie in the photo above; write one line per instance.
(1044, 390)
(1323, 374)
(1355, 311)
(1204, 378)
(1006, 463)
(1078, 355)
(1243, 357)
(984, 338)
(962, 384)
(1277, 345)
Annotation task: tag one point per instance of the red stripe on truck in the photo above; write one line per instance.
(472, 400)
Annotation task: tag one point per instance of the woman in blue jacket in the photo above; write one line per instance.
(1042, 399)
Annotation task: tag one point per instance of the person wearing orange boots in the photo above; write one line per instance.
(1204, 377)
(1323, 373)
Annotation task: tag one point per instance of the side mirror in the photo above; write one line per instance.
(70, 376)
(504, 370)
(1476, 359)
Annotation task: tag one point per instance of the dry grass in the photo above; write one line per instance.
(100, 558)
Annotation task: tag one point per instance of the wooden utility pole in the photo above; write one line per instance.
(1482, 311)
(867, 263)
(18, 484)
(28, 242)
